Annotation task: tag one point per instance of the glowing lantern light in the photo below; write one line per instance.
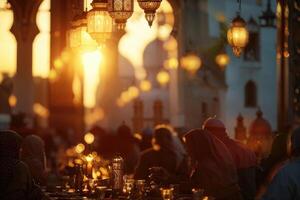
(79, 148)
(170, 44)
(89, 138)
(163, 78)
(125, 96)
(171, 63)
(40, 110)
(120, 11)
(99, 22)
(58, 63)
(133, 92)
(65, 55)
(12, 100)
(238, 35)
(149, 7)
(222, 60)
(85, 42)
(52, 75)
(145, 85)
(191, 62)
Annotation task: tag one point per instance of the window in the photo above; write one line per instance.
(250, 94)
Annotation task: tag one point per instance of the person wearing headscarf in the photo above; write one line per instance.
(167, 156)
(33, 154)
(269, 167)
(243, 157)
(15, 178)
(128, 148)
(214, 168)
(286, 183)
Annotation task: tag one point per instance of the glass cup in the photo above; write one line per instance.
(167, 193)
(128, 185)
(197, 193)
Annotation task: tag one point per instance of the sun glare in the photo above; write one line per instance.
(8, 44)
(91, 68)
(139, 35)
(41, 44)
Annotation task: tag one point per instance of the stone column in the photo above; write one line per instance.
(25, 30)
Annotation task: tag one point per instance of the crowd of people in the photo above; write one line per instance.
(204, 158)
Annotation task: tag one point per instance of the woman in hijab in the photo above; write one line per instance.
(128, 148)
(270, 166)
(167, 157)
(15, 179)
(286, 183)
(33, 154)
(214, 169)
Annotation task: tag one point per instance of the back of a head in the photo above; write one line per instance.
(211, 154)
(216, 127)
(33, 146)
(124, 131)
(199, 144)
(163, 137)
(10, 143)
(295, 142)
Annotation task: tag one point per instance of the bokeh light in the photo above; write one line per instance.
(89, 138)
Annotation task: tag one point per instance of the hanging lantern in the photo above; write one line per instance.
(84, 40)
(120, 11)
(237, 34)
(99, 22)
(145, 85)
(222, 60)
(149, 7)
(191, 62)
(163, 78)
(268, 17)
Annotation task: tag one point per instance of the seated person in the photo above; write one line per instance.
(286, 183)
(15, 178)
(33, 154)
(167, 154)
(213, 166)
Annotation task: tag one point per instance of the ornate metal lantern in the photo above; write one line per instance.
(84, 40)
(149, 7)
(120, 11)
(191, 62)
(238, 35)
(99, 22)
(267, 19)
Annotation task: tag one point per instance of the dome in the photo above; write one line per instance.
(126, 68)
(260, 127)
(154, 55)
